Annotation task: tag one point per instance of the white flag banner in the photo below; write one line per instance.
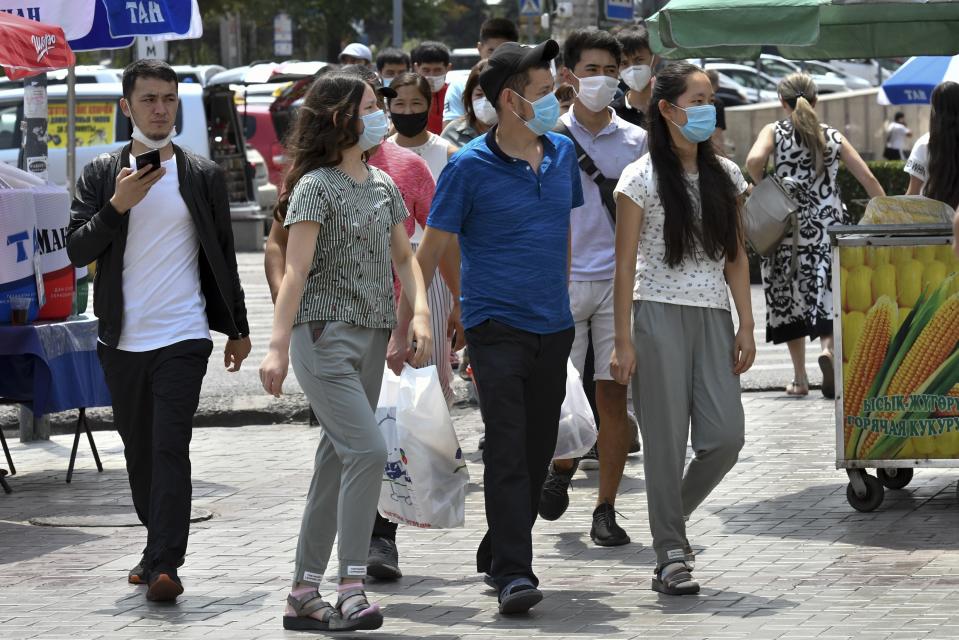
(75, 17)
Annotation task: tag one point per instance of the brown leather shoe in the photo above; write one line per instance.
(164, 587)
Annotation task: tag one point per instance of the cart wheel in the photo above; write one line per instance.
(895, 478)
(873, 497)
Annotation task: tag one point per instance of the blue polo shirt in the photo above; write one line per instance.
(513, 227)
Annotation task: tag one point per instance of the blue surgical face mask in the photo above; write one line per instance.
(387, 81)
(375, 128)
(700, 122)
(545, 113)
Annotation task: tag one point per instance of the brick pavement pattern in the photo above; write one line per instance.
(780, 553)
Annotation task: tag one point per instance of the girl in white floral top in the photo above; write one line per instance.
(679, 245)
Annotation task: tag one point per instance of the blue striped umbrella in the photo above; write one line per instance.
(914, 81)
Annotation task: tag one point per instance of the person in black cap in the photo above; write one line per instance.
(508, 196)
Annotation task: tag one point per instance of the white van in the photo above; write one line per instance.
(207, 124)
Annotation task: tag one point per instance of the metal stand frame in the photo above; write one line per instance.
(82, 422)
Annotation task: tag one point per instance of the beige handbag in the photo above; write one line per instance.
(771, 214)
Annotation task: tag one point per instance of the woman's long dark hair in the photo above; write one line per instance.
(325, 125)
(718, 233)
(943, 165)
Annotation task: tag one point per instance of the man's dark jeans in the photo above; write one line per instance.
(155, 396)
(521, 381)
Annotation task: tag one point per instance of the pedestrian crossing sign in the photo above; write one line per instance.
(530, 8)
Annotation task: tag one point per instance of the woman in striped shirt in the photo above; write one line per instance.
(333, 317)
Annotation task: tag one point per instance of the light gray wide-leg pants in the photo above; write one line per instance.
(340, 367)
(684, 376)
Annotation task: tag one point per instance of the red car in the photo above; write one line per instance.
(260, 132)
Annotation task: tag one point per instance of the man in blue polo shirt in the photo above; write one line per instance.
(508, 196)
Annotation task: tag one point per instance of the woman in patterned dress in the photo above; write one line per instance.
(799, 302)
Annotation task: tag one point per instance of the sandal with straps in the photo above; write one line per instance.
(304, 610)
(355, 611)
(678, 582)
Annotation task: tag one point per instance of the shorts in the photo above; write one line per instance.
(591, 303)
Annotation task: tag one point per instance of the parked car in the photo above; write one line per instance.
(260, 132)
(778, 68)
(199, 74)
(207, 124)
(866, 68)
(853, 83)
(759, 86)
(86, 74)
(464, 58)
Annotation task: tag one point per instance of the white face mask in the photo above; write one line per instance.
(596, 92)
(637, 76)
(436, 82)
(485, 112)
(147, 141)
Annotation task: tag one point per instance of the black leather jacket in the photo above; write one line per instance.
(99, 232)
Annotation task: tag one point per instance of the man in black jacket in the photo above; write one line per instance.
(166, 275)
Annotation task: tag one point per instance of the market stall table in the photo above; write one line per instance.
(51, 367)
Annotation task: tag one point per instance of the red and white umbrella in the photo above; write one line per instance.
(28, 47)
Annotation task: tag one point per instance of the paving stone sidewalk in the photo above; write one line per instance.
(781, 554)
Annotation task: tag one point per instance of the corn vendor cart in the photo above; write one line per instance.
(896, 328)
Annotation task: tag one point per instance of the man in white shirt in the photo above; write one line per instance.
(897, 135)
(166, 276)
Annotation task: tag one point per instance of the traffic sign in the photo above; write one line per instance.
(619, 9)
(530, 8)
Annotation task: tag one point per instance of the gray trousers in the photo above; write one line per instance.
(684, 376)
(340, 367)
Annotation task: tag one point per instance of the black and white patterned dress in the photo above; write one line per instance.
(801, 305)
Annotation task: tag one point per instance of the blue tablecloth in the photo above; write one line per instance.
(53, 366)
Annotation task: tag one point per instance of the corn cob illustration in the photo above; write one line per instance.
(852, 324)
(933, 274)
(926, 253)
(925, 342)
(859, 285)
(909, 278)
(884, 281)
(936, 342)
(901, 254)
(867, 357)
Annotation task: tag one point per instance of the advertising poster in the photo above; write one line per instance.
(96, 123)
(900, 362)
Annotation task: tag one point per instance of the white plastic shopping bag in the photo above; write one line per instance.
(425, 478)
(577, 426)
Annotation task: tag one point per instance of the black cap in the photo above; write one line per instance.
(511, 58)
(368, 76)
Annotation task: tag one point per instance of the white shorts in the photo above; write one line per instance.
(591, 303)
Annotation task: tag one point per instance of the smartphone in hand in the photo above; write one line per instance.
(148, 159)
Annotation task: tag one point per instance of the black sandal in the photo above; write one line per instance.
(676, 583)
(355, 611)
(304, 610)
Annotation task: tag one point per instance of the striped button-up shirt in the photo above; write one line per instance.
(350, 279)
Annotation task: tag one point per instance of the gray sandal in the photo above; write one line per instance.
(678, 582)
(304, 610)
(355, 611)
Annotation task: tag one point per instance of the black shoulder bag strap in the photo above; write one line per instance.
(586, 164)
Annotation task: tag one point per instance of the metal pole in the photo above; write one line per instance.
(530, 30)
(398, 24)
(71, 130)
